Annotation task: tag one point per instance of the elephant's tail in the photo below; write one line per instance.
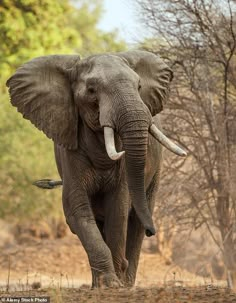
(47, 183)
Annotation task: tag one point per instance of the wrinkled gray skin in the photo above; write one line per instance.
(107, 204)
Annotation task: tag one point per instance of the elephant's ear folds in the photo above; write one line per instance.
(155, 77)
(41, 91)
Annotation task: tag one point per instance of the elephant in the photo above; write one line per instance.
(101, 112)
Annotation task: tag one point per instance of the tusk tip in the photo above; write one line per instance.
(182, 153)
(117, 156)
(159, 136)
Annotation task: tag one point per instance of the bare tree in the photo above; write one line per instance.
(198, 38)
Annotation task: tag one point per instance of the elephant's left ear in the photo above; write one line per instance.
(155, 78)
(41, 91)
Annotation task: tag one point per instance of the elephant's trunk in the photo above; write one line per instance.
(134, 136)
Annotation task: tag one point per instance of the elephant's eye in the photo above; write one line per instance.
(139, 86)
(91, 90)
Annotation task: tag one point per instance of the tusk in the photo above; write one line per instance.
(110, 144)
(159, 136)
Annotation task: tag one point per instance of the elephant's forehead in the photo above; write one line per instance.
(108, 65)
(107, 60)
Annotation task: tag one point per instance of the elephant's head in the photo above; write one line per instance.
(118, 92)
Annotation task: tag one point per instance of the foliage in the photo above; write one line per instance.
(25, 155)
(30, 28)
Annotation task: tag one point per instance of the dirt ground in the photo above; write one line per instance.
(59, 268)
(135, 295)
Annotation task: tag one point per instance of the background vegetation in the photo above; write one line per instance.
(30, 28)
(198, 39)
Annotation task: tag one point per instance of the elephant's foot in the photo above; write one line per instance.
(108, 280)
(129, 280)
(121, 269)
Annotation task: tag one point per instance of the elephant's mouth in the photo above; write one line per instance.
(97, 123)
(93, 122)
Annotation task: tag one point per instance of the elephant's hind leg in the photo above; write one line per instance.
(135, 233)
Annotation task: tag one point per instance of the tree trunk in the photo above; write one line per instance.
(229, 256)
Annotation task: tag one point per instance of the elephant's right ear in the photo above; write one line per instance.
(41, 91)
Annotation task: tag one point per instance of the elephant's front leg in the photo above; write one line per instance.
(115, 228)
(81, 220)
